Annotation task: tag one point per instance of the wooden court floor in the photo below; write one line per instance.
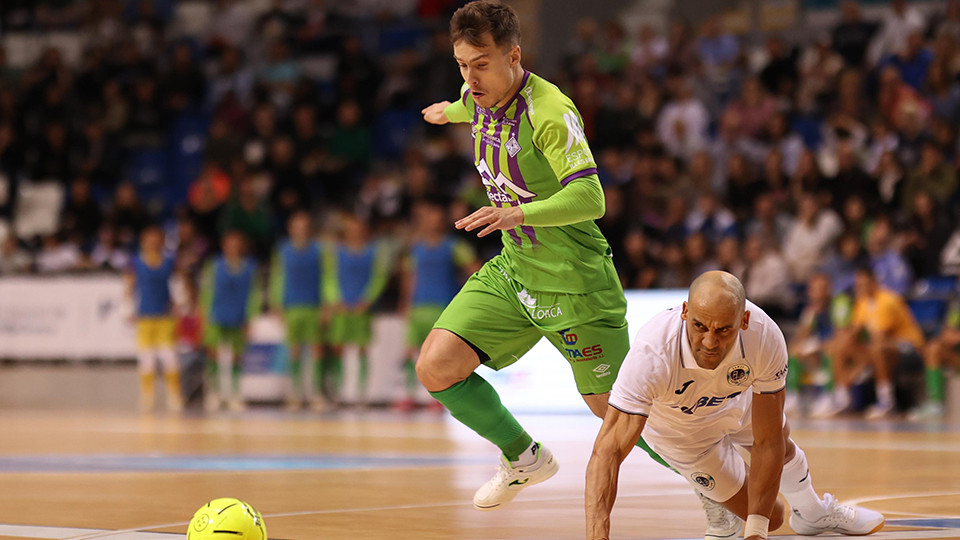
(381, 475)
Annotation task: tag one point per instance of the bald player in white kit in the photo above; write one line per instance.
(701, 379)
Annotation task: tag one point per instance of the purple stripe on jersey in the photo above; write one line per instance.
(515, 175)
(578, 174)
(512, 232)
(531, 234)
(498, 114)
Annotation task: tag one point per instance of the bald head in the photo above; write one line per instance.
(715, 312)
(718, 289)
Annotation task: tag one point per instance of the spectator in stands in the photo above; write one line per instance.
(280, 74)
(50, 159)
(897, 25)
(841, 265)
(127, 214)
(249, 214)
(768, 220)
(890, 181)
(852, 36)
(754, 107)
(637, 267)
(699, 254)
(728, 257)
(232, 78)
(13, 258)
(97, 156)
(932, 175)
(147, 120)
(889, 267)
(912, 61)
(348, 155)
(942, 351)
(811, 234)
(851, 180)
(926, 234)
(882, 331)
(682, 125)
(711, 218)
(107, 253)
(58, 254)
(81, 214)
(183, 84)
(767, 277)
(819, 67)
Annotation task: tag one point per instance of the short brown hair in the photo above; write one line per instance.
(475, 19)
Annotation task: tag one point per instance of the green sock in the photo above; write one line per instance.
(213, 375)
(642, 444)
(296, 375)
(828, 365)
(476, 405)
(235, 376)
(934, 378)
(794, 373)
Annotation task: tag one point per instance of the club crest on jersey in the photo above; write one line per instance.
(513, 147)
(738, 374)
(704, 480)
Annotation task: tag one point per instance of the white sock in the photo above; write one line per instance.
(842, 397)
(885, 393)
(527, 457)
(225, 367)
(146, 361)
(797, 486)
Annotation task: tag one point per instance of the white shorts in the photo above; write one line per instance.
(715, 468)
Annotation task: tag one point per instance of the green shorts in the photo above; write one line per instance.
(303, 325)
(216, 335)
(348, 328)
(502, 318)
(420, 322)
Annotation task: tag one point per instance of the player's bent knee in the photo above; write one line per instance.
(439, 367)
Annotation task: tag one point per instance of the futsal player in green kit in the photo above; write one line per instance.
(554, 277)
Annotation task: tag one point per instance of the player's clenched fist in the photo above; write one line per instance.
(434, 113)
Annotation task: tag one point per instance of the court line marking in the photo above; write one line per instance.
(369, 509)
(861, 500)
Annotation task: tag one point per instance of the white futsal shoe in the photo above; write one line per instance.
(839, 518)
(509, 480)
(722, 524)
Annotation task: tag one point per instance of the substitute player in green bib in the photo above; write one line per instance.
(554, 277)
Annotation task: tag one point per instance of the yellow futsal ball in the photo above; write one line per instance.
(227, 519)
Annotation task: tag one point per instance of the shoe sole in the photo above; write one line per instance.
(550, 472)
(875, 529)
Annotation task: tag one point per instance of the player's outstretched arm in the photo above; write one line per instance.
(618, 435)
(435, 113)
(766, 457)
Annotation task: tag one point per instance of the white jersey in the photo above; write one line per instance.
(689, 406)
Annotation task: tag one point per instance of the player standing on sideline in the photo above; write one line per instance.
(431, 278)
(554, 277)
(295, 291)
(148, 285)
(704, 379)
(231, 296)
(354, 276)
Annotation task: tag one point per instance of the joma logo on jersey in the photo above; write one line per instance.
(574, 131)
(707, 401)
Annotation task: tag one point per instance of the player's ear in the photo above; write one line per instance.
(514, 55)
(745, 322)
(683, 312)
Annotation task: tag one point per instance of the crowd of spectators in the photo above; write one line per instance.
(772, 160)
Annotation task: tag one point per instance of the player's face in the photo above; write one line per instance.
(489, 70)
(299, 227)
(713, 329)
(151, 241)
(233, 246)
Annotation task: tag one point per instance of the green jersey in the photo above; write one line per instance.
(528, 150)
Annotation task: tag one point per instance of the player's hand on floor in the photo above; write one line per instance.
(434, 113)
(495, 219)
